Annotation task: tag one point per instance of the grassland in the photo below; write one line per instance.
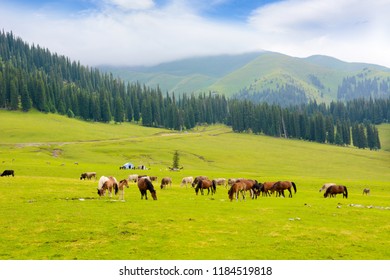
(49, 213)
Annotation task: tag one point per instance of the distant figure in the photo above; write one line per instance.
(88, 175)
(8, 173)
(366, 191)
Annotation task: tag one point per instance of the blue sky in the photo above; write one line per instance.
(146, 32)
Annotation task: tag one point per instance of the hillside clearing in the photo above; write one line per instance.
(49, 213)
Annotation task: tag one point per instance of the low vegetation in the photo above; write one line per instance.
(49, 213)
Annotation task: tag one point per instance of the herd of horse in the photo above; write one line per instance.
(236, 187)
(110, 185)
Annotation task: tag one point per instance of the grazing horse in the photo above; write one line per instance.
(88, 175)
(121, 188)
(8, 173)
(326, 185)
(153, 178)
(280, 186)
(165, 181)
(107, 183)
(267, 188)
(206, 184)
(220, 182)
(236, 189)
(336, 189)
(197, 179)
(145, 184)
(250, 185)
(366, 191)
(133, 178)
(231, 181)
(186, 180)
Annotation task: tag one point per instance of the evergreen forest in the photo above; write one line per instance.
(31, 77)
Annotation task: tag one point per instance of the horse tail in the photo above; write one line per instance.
(214, 186)
(346, 192)
(294, 186)
(116, 188)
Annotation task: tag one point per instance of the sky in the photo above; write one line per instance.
(149, 32)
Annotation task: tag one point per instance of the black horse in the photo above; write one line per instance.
(8, 173)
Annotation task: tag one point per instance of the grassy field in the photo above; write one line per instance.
(49, 213)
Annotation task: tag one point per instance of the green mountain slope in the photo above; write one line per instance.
(256, 74)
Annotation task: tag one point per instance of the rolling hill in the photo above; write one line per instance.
(259, 76)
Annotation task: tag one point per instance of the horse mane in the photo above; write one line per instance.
(149, 185)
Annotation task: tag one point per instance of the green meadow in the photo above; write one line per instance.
(47, 212)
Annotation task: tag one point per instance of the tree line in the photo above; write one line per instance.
(362, 85)
(338, 123)
(33, 77)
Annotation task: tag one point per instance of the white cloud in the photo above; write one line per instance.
(141, 32)
(348, 29)
(132, 4)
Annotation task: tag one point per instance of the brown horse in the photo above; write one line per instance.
(121, 188)
(165, 182)
(280, 186)
(145, 184)
(88, 175)
(107, 183)
(198, 179)
(366, 191)
(266, 188)
(206, 184)
(252, 186)
(336, 189)
(236, 189)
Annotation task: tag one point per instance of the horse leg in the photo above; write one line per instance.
(290, 195)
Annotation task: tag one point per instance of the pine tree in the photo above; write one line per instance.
(2, 89)
(362, 137)
(377, 140)
(339, 135)
(25, 98)
(119, 112)
(176, 160)
(14, 96)
(106, 111)
(146, 113)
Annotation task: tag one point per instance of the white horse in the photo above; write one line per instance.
(107, 183)
(186, 180)
(133, 178)
(326, 186)
(220, 182)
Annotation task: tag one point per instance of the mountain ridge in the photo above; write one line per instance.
(319, 77)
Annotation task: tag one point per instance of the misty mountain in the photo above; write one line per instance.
(265, 76)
